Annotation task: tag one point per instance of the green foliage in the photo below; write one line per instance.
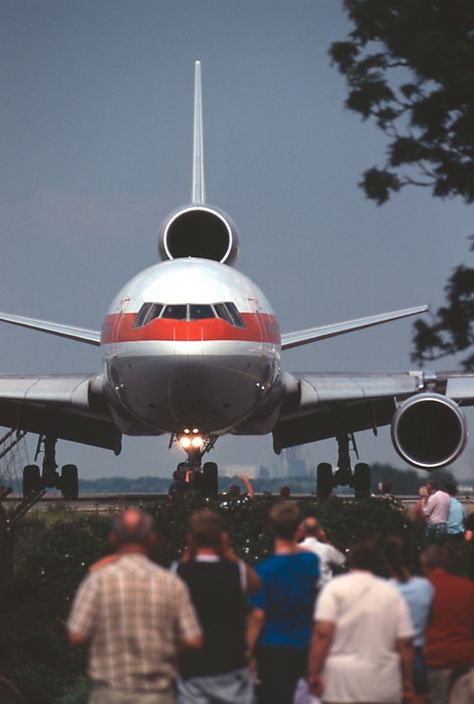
(409, 66)
(452, 328)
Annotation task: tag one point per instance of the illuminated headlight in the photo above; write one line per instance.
(185, 442)
(197, 441)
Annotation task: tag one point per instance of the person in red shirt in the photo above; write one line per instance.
(449, 650)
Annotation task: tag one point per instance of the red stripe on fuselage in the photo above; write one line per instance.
(261, 327)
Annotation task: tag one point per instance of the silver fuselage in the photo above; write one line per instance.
(207, 373)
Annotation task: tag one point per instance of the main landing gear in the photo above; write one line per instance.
(198, 476)
(35, 480)
(359, 479)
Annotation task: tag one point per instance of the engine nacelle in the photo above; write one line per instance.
(199, 231)
(429, 430)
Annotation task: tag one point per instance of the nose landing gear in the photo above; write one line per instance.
(198, 476)
(359, 479)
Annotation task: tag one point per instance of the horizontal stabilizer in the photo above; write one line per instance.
(304, 337)
(90, 337)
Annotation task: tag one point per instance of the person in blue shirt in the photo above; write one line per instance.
(456, 516)
(279, 629)
(418, 594)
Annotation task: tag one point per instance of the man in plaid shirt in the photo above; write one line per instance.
(136, 616)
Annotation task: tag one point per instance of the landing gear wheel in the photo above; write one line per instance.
(69, 482)
(31, 479)
(324, 480)
(362, 480)
(210, 481)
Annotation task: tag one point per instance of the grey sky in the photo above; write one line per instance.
(95, 143)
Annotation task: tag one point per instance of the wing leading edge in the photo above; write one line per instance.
(304, 337)
(90, 337)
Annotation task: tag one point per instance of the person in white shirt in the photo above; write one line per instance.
(329, 556)
(435, 504)
(361, 648)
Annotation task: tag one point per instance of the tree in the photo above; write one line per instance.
(409, 66)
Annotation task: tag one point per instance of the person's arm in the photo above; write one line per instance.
(254, 628)
(192, 643)
(405, 651)
(322, 637)
(83, 616)
(253, 580)
(248, 487)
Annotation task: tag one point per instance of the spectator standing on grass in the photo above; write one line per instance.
(418, 594)
(361, 648)
(218, 583)
(279, 629)
(135, 617)
(328, 555)
(435, 504)
(449, 650)
(456, 516)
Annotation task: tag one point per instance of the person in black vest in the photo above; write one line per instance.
(218, 582)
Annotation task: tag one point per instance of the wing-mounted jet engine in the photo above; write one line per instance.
(429, 430)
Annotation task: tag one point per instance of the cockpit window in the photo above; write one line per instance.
(189, 311)
(175, 311)
(148, 312)
(235, 315)
(198, 312)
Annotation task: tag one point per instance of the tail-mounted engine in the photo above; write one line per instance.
(429, 431)
(199, 231)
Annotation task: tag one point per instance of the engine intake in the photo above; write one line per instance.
(429, 430)
(199, 231)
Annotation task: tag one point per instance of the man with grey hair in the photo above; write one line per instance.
(135, 616)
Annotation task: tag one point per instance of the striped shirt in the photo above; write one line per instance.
(135, 614)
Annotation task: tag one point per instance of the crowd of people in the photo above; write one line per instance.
(213, 630)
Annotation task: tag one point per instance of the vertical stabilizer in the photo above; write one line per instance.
(198, 195)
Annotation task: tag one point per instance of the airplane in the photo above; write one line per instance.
(192, 348)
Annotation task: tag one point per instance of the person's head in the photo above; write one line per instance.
(434, 557)
(285, 493)
(311, 527)
(386, 487)
(206, 530)
(432, 486)
(285, 520)
(133, 527)
(397, 557)
(364, 553)
(451, 488)
(234, 491)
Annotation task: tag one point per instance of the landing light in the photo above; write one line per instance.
(197, 441)
(185, 442)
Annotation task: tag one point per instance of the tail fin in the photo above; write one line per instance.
(198, 195)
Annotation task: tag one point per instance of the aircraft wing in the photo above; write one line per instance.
(90, 337)
(304, 337)
(323, 405)
(66, 406)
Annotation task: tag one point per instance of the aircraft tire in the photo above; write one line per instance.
(362, 480)
(69, 482)
(324, 480)
(210, 479)
(31, 479)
